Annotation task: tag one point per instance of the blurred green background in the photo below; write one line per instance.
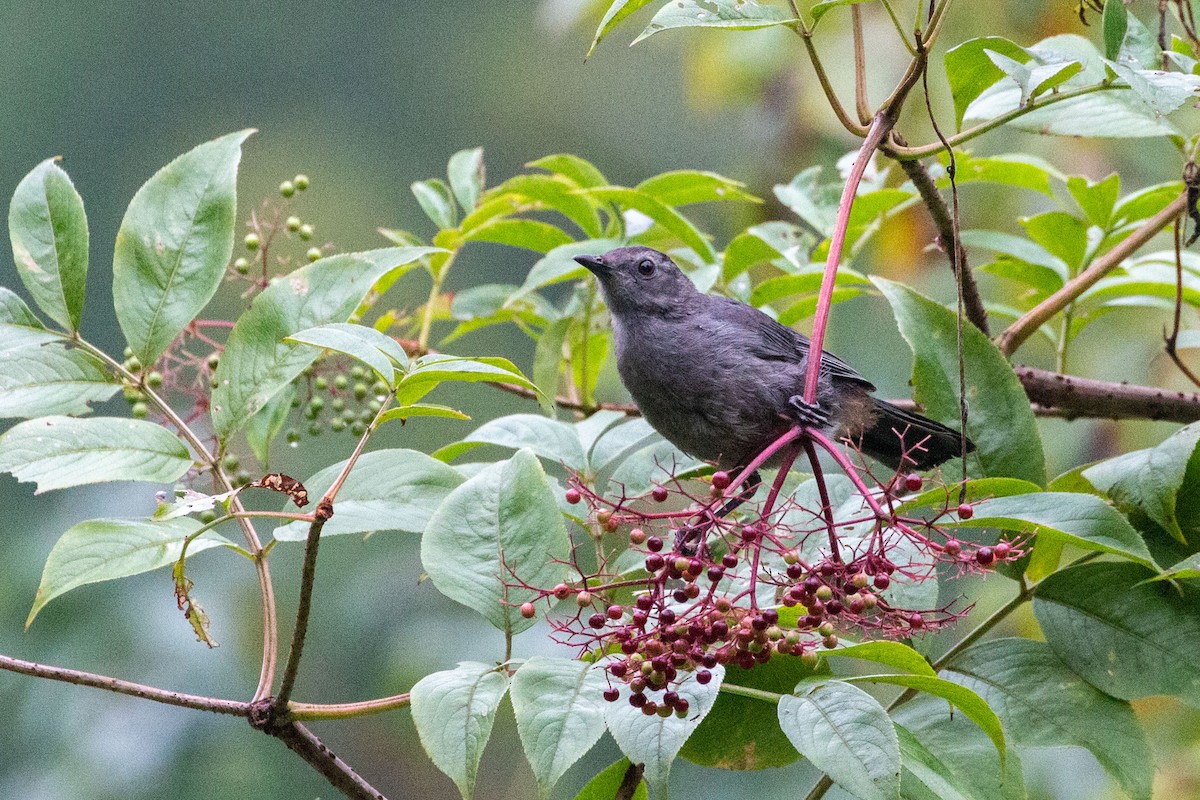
(365, 98)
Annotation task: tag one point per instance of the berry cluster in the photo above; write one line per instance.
(741, 588)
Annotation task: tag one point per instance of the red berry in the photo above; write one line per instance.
(596, 620)
(882, 581)
(654, 562)
(615, 612)
(637, 536)
(729, 561)
(618, 669)
(654, 544)
(984, 556)
(637, 699)
(703, 676)
(561, 591)
(913, 482)
(573, 496)
(612, 695)
(683, 563)
(952, 547)
(916, 621)
(720, 480)
(1001, 550)
(966, 511)
(528, 610)
(659, 493)
(644, 601)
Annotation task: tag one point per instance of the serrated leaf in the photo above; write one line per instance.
(1082, 520)
(660, 212)
(730, 14)
(59, 452)
(559, 706)
(846, 734)
(1001, 423)
(1043, 703)
(378, 351)
(106, 549)
(1149, 481)
(388, 490)
(453, 712)
(40, 374)
(1125, 636)
(174, 244)
(495, 535)
(467, 177)
(49, 233)
(256, 363)
(655, 741)
(436, 201)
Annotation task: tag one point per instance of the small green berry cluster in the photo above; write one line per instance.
(343, 399)
(263, 227)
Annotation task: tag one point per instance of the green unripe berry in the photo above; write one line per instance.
(213, 360)
(293, 436)
(241, 266)
(366, 415)
(300, 181)
(252, 241)
(208, 516)
(340, 382)
(242, 478)
(338, 404)
(133, 394)
(287, 188)
(374, 406)
(293, 224)
(358, 372)
(360, 390)
(379, 387)
(231, 462)
(358, 428)
(139, 410)
(133, 364)
(154, 379)
(296, 401)
(128, 352)
(313, 253)
(321, 383)
(315, 428)
(337, 424)
(306, 231)
(317, 403)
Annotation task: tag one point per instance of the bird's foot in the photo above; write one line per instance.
(810, 414)
(688, 538)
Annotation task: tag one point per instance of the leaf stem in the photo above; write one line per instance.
(311, 711)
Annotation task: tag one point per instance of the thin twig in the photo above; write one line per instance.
(311, 711)
(301, 741)
(1023, 328)
(1170, 340)
(861, 104)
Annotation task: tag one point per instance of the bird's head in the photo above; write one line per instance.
(640, 280)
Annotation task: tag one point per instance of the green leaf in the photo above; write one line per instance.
(421, 410)
(263, 427)
(961, 749)
(946, 495)
(925, 769)
(59, 452)
(807, 282)
(740, 732)
(436, 201)
(1127, 637)
(1187, 569)
(1145, 203)
(1061, 234)
(257, 363)
(967, 701)
(654, 741)
(1161, 92)
(846, 734)
(1001, 424)
(661, 213)
(617, 11)
(1149, 482)
(970, 71)
(532, 234)
(814, 201)
(822, 8)
(560, 265)
(555, 441)
(13, 311)
(1115, 23)
(547, 363)
(500, 527)
(608, 782)
(428, 371)
(1097, 199)
(467, 177)
(1082, 520)
(559, 706)
(106, 549)
(1035, 79)
(1019, 249)
(1043, 703)
(893, 654)
(540, 192)
(40, 374)
(732, 14)
(579, 171)
(378, 351)
(1013, 169)
(49, 233)
(388, 490)
(766, 243)
(685, 186)
(454, 711)
(174, 244)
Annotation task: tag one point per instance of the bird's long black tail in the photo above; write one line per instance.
(896, 431)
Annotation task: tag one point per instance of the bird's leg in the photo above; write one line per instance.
(810, 414)
(689, 537)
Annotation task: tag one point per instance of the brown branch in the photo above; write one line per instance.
(1023, 328)
(304, 743)
(939, 212)
(80, 678)
(1073, 397)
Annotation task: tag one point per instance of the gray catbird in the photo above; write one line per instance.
(721, 380)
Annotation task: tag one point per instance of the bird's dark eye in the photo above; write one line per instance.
(646, 267)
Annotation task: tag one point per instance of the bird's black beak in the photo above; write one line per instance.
(594, 263)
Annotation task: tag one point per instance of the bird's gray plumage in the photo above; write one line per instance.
(717, 378)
